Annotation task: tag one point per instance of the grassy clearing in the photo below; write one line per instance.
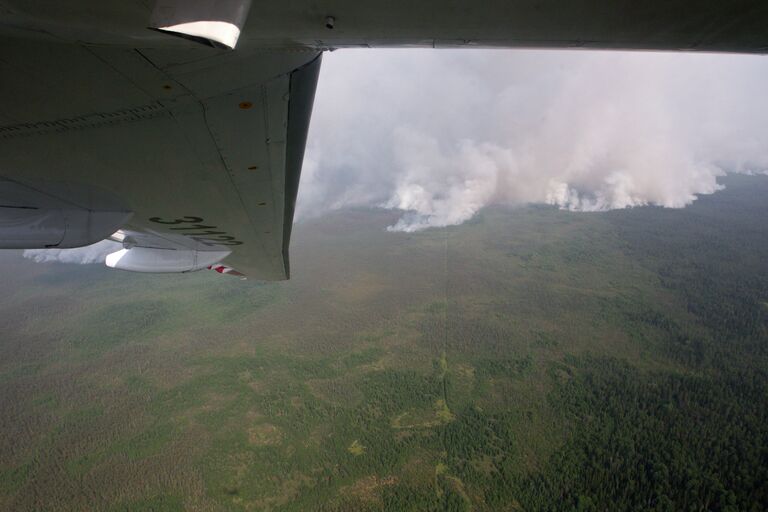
(356, 448)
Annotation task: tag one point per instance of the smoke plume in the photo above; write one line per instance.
(440, 134)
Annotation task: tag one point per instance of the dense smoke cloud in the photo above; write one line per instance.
(440, 134)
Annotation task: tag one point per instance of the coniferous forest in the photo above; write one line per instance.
(530, 359)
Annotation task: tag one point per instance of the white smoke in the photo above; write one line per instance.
(95, 253)
(440, 134)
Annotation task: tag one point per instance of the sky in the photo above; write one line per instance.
(439, 134)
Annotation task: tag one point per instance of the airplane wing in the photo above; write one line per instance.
(182, 123)
(200, 148)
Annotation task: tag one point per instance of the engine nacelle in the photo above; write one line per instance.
(147, 259)
(34, 219)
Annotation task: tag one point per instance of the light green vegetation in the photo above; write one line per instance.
(530, 359)
(356, 448)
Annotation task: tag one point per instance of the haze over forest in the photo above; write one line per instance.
(531, 358)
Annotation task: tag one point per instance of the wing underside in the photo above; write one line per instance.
(203, 146)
